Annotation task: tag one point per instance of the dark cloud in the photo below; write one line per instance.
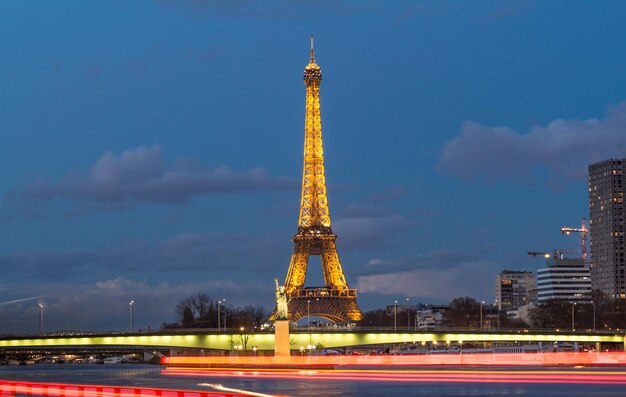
(141, 176)
(363, 227)
(434, 275)
(564, 147)
(50, 266)
(90, 290)
(187, 252)
(433, 259)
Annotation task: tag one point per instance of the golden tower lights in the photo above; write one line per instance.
(335, 301)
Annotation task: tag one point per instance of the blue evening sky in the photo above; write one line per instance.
(153, 149)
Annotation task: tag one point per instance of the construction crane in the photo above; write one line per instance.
(584, 232)
(544, 254)
(556, 254)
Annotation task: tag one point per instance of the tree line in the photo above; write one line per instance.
(200, 311)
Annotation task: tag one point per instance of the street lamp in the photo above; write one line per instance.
(481, 314)
(573, 306)
(395, 312)
(40, 318)
(308, 319)
(219, 313)
(130, 307)
(498, 307)
(594, 315)
(408, 316)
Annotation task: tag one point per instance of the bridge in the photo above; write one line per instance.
(327, 339)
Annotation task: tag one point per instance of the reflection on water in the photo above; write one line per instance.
(146, 376)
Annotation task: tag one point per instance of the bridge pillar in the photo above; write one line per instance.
(282, 346)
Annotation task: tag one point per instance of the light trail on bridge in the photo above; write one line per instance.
(416, 376)
(541, 359)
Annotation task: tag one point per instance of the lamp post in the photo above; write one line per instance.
(498, 307)
(395, 312)
(308, 318)
(481, 314)
(594, 315)
(573, 306)
(40, 318)
(130, 309)
(317, 310)
(408, 315)
(219, 314)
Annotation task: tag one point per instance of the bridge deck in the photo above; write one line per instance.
(265, 341)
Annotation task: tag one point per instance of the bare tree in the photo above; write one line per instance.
(552, 313)
(197, 311)
(463, 312)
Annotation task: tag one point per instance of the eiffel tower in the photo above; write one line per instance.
(335, 301)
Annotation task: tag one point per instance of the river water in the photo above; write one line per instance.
(153, 376)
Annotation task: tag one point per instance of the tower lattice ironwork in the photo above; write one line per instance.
(335, 301)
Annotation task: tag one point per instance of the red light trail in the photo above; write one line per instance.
(456, 376)
(11, 388)
(548, 359)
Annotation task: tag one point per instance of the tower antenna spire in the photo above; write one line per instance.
(312, 50)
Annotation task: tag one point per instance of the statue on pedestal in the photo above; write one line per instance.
(282, 310)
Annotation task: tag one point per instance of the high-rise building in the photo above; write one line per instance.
(564, 279)
(513, 288)
(606, 226)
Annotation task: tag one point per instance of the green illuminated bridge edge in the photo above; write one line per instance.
(265, 341)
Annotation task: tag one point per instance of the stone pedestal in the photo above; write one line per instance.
(282, 346)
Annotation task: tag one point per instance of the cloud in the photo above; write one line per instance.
(197, 253)
(371, 227)
(433, 259)
(564, 147)
(436, 282)
(437, 275)
(141, 176)
(103, 305)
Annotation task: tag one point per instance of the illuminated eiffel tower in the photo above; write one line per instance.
(335, 301)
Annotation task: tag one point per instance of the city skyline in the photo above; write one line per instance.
(157, 154)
